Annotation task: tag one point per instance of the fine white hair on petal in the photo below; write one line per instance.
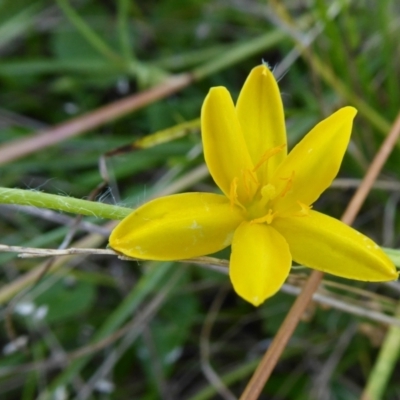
(265, 63)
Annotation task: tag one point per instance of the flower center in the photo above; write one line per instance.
(268, 192)
(261, 209)
(259, 201)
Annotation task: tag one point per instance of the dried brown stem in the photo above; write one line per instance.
(136, 324)
(272, 355)
(42, 139)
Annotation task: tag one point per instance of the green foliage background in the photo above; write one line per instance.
(65, 58)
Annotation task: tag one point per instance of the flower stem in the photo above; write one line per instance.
(62, 203)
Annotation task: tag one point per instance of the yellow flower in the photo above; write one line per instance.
(265, 210)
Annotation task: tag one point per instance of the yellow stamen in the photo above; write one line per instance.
(288, 185)
(233, 192)
(233, 196)
(304, 210)
(268, 154)
(252, 176)
(246, 183)
(266, 218)
(248, 178)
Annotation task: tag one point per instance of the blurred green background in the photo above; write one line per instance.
(173, 331)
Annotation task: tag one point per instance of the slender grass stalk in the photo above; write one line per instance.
(18, 23)
(62, 203)
(190, 58)
(173, 84)
(368, 112)
(328, 75)
(273, 354)
(126, 45)
(239, 52)
(147, 283)
(95, 40)
(384, 365)
(45, 66)
(10, 289)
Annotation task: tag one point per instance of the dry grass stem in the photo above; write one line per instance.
(322, 297)
(271, 357)
(42, 139)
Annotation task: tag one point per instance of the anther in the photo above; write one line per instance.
(233, 196)
(268, 154)
(249, 179)
(266, 218)
(233, 192)
(304, 210)
(288, 185)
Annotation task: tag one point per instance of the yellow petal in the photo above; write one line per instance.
(315, 161)
(326, 244)
(225, 150)
(260, 112)
(177, 227)
(260, 262)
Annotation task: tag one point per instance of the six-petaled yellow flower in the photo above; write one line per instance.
(265, 210)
